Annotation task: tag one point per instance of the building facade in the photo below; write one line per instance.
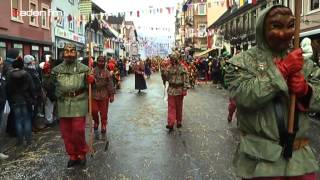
(67, 27)
(25, 25)
(235, 29)
(130, 39)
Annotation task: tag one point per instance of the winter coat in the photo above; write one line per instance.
(20, 87)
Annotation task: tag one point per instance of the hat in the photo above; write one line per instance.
(69, 46)
(13, 53)
(28, 59)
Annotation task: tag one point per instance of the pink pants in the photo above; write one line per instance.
(310, 176)
(232, 108)
(175, 104)
(73, 134)
(102, 107)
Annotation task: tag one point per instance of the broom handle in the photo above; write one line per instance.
(298, 4)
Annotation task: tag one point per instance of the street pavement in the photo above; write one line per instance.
(140, 146)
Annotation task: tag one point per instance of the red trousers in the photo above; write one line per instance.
(175, 104)
(73, 134)
(310, 176)
(232, 108)
(101, 106)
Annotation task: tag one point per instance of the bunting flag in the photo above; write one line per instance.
(138, 14)
(254, 2)
(241, 3)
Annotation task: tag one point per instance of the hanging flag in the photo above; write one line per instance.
(241, 3)
(130, 13)
(252, 2)
(138, 14)
(168, 8)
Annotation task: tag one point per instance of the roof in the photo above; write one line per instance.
(96, 8)
(115, 19)
(233, 12)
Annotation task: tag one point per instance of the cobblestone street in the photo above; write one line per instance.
(140, 146)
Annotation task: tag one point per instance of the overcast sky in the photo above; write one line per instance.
(145, 20)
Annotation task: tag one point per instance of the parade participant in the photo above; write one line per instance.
(178, 80)
(192, 74)
(140, 82)
(102, 93)
(71, 80)
(260, 80)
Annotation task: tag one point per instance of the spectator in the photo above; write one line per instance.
(20, 91)
(2, 100)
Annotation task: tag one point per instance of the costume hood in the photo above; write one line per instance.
(306, 48)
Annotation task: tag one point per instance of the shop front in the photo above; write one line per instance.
(64, 36)
(24, 46)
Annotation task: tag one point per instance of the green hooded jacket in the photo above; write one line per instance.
(254, 82)
(70, 78)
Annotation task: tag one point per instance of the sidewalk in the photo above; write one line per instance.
(6, 142)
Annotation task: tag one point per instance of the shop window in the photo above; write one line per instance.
(45, 16)
(16, 6)
(3, 52)
(202, 9)
(314, 5)
(35, 52)
(33, 6)
(20, 48)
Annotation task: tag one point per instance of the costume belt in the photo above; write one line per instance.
(74, 93)
(174, 85)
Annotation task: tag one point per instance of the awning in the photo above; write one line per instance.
(310, 33)
(203, 53)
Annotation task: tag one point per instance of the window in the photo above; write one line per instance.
(275, 2)
(33, 6)
(3, 50)
(202, 30)
(71, 2)
(60, 18)
(20, 48)
(44, 16)
(202, 9)
(263, 6)
(253, 20)
(80, 28)
(314, 5)
(71, 25)
(35, 51)
(16, 6)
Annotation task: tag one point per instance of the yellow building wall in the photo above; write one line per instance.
(214, 11)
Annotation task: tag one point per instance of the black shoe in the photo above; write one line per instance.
(82, 162)
(170, 128)
(71, 163)
(179, 125)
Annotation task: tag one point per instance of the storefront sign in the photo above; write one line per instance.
(2, 44)
(35, 48)
(69, 35)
